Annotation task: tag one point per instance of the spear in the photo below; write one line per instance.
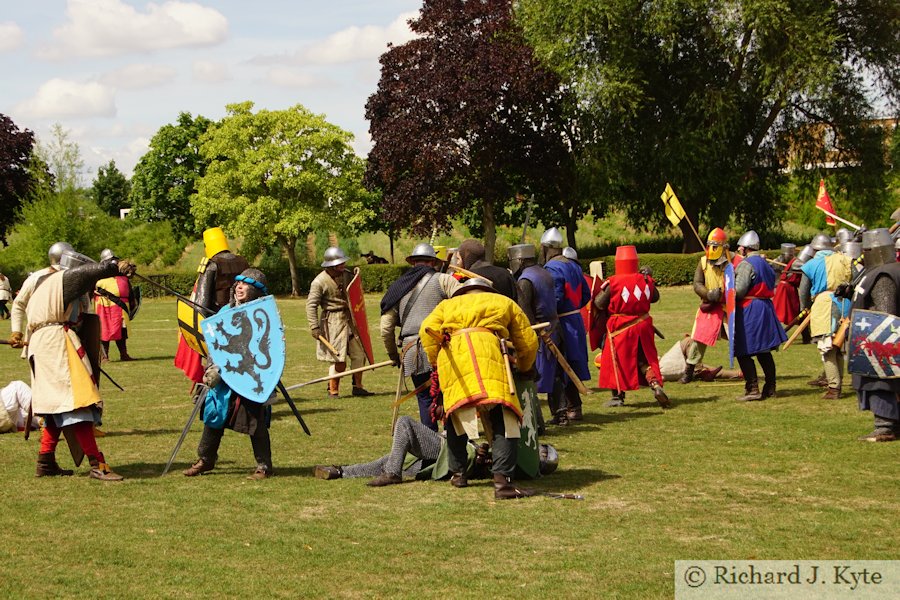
(341, 374)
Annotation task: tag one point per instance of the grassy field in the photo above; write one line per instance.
(710, 479)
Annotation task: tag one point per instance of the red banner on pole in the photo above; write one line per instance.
(358, 313)
(823, 201)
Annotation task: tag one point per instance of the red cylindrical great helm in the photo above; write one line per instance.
(626, 260)
(715, 243)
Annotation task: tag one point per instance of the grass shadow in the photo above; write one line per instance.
(126, 432)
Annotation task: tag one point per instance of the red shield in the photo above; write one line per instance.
(357, 303)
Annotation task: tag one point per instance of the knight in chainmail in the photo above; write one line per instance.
(879, 289)
(405, 305)
(410, 437)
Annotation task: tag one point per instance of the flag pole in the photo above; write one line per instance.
(688, 219)
(837, 218)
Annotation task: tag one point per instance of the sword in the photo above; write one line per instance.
(111, 380)
(290, 402)
(198, 403)
(341, 374)
(181, 297)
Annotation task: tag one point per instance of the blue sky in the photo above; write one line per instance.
(112, 72)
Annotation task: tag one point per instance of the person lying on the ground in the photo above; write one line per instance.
(16, 399)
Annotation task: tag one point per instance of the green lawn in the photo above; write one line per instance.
(710, 479)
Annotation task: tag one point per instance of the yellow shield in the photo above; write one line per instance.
(189, 321)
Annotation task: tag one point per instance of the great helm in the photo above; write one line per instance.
(570, 253)
(552, 238)
(789, 250)
(422, 251)
(843, 236)
(72, 258)
(476, 283)
(715, 243)
(56, 251)
(626, 260)
(333, 257)
(749, 240)
(214, 241)
(549, 459)
(517, 254)
(820, 242)
(878, 247)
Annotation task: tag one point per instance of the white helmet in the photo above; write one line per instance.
(570, 253)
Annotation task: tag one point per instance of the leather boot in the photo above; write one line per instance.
(660, 394)
(575, 414)
(688, 375)
(751, 392)
(459, 480)
(198, 468)
(47, 466)
(261, 472)
(768, 391)
(328, 472)
(385, 479)
(560, 419)
(506, 489)
(618, 399)
(832, 394)
(102, 471)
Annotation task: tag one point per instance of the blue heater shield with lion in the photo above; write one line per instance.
(246, 342)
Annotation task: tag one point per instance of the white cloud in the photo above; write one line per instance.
(348, 45)
(139, 76)
(11, 36)
(59, 98)
(112, 27)
(207, 71)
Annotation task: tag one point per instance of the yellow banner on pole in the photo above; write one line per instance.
(674, 211)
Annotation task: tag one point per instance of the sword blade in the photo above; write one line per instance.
(187, 427)
(290, 402)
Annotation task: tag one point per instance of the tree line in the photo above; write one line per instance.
(550, 110)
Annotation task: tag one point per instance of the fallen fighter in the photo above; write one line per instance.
(429, 450)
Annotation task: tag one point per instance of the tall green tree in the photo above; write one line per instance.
(709, 95)
(16, 180)
(166, 176)
(111, 189)
(274, 176)
(464, 119)
(62, 156)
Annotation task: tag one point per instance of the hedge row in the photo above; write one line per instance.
(668, 269)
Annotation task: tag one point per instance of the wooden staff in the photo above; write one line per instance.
(341, 374)
(797, 333)
(470, 274)
(331, 349)
(566, 367)
(841, 334)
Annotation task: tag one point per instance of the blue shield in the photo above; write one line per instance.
(730, 304)
(874, 344)
(247, 344)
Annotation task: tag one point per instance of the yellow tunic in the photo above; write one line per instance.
(471, 367)
(837, 271)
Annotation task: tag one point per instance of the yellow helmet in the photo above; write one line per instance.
(715, 244)
(441, 252)
(214, 240)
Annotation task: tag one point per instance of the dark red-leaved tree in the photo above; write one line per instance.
(464, 118)
(15, 178)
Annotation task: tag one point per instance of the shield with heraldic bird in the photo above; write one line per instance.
(730, 302)
(874, 344)
(246, 342)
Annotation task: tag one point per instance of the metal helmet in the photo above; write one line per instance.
(552, 238)
(805, 256)
(749, 240)
(214, 241)
(476, 283)
(72, 258)
(852, 249)
(518, 254)
(821, 241)
(570, 253)
(843, 236)
(254, 278)
(106, 254)
(716, 242)
(56, 251)
(878, 248)
(334, 256)
(549, 459)
(422, 251)
(789, 250)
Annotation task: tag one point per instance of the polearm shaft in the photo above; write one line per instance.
(181, 297)
(469, 273)
(341, 374)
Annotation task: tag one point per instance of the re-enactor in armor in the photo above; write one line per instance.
(63, 380)
(405, 305)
